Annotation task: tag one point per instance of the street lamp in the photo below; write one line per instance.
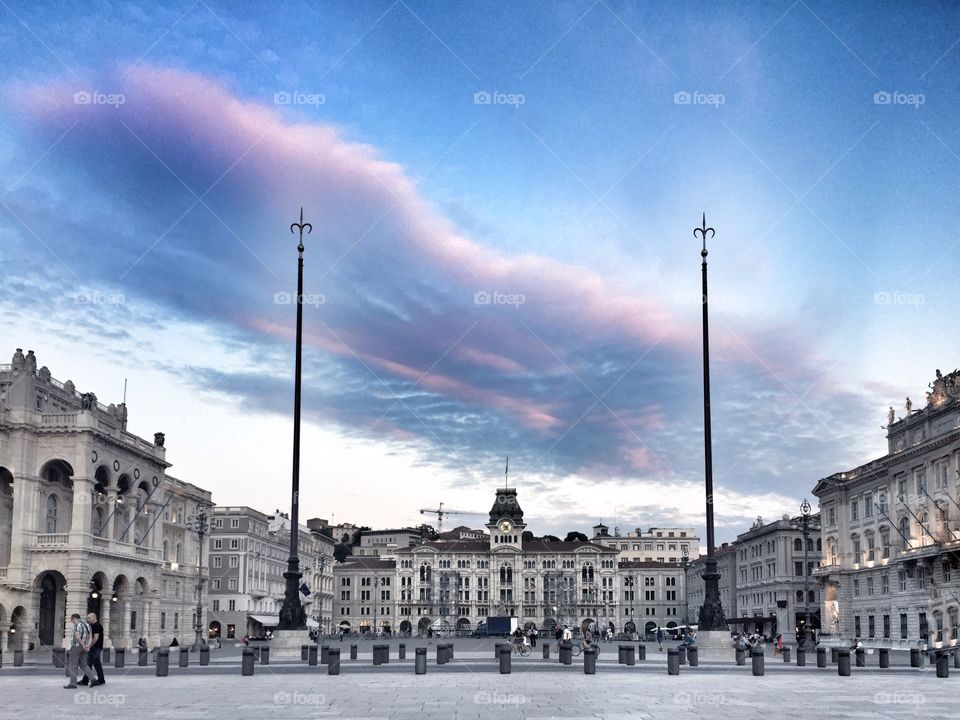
(711, 613)
(805, 510)
(292, 615)
(198, 522)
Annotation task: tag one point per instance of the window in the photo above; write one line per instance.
(797, 545)
(234, 561)
(232, 605)
(234, 522)
(868, 505)
(902, 580)
(886, 627)
(870, 586)
(856, 590)
(904, 533)
(924, 629)
(871, 627)
(216, 583)
(234, 543)
(798, 568)
(885, 584)
(51, 514)
(856, 626)
(854, 510)
(231, 583)
(903, 626)
(163, 621)
(832, 515)
(216, 605)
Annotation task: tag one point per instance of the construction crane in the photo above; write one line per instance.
(440, 512)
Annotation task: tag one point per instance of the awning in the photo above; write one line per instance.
(266, 620)
(311, 623)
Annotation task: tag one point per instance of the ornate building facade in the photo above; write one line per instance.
(891, 531)
(89, 519)
(658, 544)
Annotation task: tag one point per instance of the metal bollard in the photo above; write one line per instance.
(333, 661)
(622, 655)
(312, 655)
(861, 657)
(641, 652)
(943, 664)
(673, 662)
(546, 651)
(163, 662)
(956, 660)
(325, 654)
(786, 654)
(682, 651)
(442, 654)
(801, 657)
(741, 656)
(402, 652)
(449, 651)
(353, 652)
(590, 661)
(265, 655)
(566, 653)
(884, 657)
(184, 657)
(504, 659)
(821, 657)
(59, 657)
(246, 665)
(843, 662)
(377, 657)
(631, 655)
(756, 660)
(304, 651)
(105, 657)
(833, 656)
(420, 660)
(18, 658)
(142, 656)
(915, 659)
(693, 655)
(119, 657)
(496, 651)
(205, 656)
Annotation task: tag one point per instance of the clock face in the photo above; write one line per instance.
(506, 526)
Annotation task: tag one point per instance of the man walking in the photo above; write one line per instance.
(96, 650)
(80, 643)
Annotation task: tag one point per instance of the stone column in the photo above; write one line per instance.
(76, 592)
(81, 521)
(105, 619)
(24, 524)
(146, 631)
(124, 637)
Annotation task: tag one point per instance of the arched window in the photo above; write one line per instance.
(799, 595)
(810, 544)
(811, 596)
(51, 521)
(798, 544)
(905, 533)
(98, 519)
(868, 539)
(884, 543)
(857, 549)
(424, 573)
(179, 554)
(166, 551)
(819, 545)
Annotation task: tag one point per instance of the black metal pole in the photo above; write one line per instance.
(292, 614)
(711, 614)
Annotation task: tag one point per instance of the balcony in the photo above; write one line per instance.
(53, 540)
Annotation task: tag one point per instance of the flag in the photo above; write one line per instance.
(304, 589)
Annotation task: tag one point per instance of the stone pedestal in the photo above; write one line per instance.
(286, 643)
(714, 645)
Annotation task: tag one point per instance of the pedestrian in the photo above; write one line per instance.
(779, 644)
(175, 643)
(96, 649)
(558, 632)
(567, 634)
(80, 643)
(660, 638)
(142, 644)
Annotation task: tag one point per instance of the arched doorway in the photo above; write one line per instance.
(463, 626)
(588, 624)
(50, 619)
(344, 625)
(213, 632)
(650, 628)
(17, 621)
(423, 625)
(406, 627)
(630, 627)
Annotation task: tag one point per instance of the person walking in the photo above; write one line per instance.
(567, 635)
(660, 638)
(779, 644)
(96, 650)
(80, 643)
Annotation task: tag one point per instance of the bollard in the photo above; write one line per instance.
(18, 658)
(504, 659)
(590, 661)
(641, 652)
(442, 654)
(353, 652)
(246, 666)
(325, 654)
(420, 660)
(631, 655)
(566, 653)
(673, 662)
(119, 657)
(105, 656)
(861, 657)
(333, 661)
(843, 662)
(184, 657)
(622, 655)
(402, 652)
(546, 651)
(833, 656)
(915, 659)
(265, 655)
(682, 651)
(956, 660)
(312, 655)
(943, 664)
(821, 657)
(204, 656)
(153, 655)
(801, 657)
(741, 656)
(304, 652)
(693, 655)
(496, 651)
(378, 658)
(59, 657)
(786, 654)
(756, 659)
(142, 656)
(163, 662)
(884, 657)
(449, 651)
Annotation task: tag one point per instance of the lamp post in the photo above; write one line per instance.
(711, 613)
(198, 522)
(292, 615)
(805, 527)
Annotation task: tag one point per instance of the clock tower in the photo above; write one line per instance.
(506, 521)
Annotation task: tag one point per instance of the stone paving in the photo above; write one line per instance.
(473, 688)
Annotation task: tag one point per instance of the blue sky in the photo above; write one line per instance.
(145, 235)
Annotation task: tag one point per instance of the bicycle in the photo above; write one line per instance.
(520, 649)
(576, 647)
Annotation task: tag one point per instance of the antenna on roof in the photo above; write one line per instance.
(506, 473)
(124, 391)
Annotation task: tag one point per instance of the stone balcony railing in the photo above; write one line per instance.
(53, 540)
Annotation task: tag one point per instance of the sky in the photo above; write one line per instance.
(502, 262)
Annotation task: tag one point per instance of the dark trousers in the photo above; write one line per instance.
(93, 661)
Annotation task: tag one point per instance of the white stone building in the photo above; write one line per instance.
(89, 519)
(658, 544)
(726, 556)
(891, 532)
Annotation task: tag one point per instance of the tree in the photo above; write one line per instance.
(528, 535)
(427, 532)
(341, 552)
(573, 536)
(358, 533)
